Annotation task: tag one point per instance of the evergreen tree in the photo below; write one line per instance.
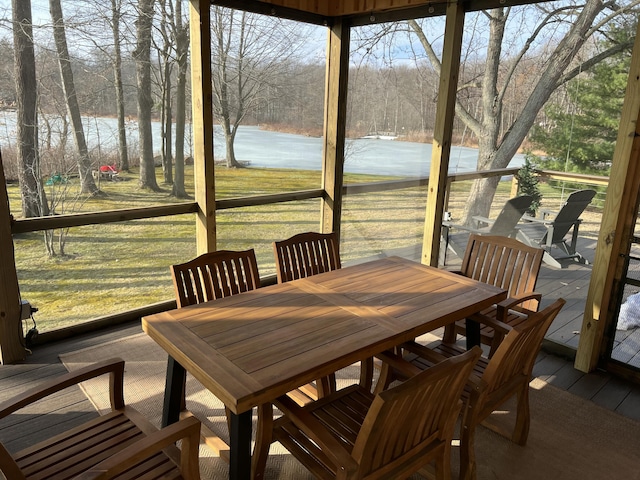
(581, 138)
(528, 183)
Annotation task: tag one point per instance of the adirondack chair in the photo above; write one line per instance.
(552, 229)
(121, 443)
(353, 434)
(494, 380)
(506, 263)
(503, 225)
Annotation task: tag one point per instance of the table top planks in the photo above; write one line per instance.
(251, 348)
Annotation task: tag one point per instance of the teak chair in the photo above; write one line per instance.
(493, 382)
(551, 229)
(121, 443)
(353, 434)
(211, 276)
(215, 275)
(503, 225)
(508, 264)
(306, 254)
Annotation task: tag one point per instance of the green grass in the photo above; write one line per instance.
(115, 267)
(112, 268)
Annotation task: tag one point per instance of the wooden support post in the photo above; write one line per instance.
(202, 111)
(618, 221)
(11, 335)
(335, 112)
(441, 149)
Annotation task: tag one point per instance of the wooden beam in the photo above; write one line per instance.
(335, 112)
(618, 221)
(202, 105)
(441, 149)
(312, 16)
(11, 335)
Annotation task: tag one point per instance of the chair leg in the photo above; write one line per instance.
(523, 417)
(443, 464)
(467, 442)
(467, 455)
(449, 335)
(495, 342)
(183, 395)
(366, 373)
(326, 385)
(264, 437)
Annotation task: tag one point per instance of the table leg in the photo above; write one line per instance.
(472, 334)
(173, 392)
(240, 448)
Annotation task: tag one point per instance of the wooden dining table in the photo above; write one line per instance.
(251, 348)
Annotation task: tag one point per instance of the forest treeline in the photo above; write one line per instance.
(129, 59)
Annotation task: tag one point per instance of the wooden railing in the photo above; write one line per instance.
(111, 216)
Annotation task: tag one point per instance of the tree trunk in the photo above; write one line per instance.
(119, 89)
(87, 185)
(497, 153)
(182, 50)
(34, 201)
(142, 55)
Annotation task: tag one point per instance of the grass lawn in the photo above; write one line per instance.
(112, 268)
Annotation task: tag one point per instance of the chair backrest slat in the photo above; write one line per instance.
(503, 262)
(215, 275)
(306, 254)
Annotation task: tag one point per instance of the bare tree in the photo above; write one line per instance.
(116, 9)
(87, 185)
(497, 143)
(248, 52)
(182, 53)
(34, 203)
(142, 55)
(166, 60)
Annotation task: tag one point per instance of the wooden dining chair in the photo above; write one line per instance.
(215, 275)
(121, 443)
(494, 381)
(508, 264)
(306, 254)
(353, 434)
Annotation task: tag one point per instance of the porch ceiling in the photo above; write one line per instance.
(359, 12)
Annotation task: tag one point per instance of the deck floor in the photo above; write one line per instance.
(554, 365)
(72, 407)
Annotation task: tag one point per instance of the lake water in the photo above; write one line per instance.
(266, 149)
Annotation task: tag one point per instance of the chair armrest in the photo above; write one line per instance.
(485, 220)
(536, 220)
(115, 367)
(459, 227)
(492, 322)
(187, 430)
(317, 432)
(8, 466)
(398, 363)
(422, 351)
(504, 306)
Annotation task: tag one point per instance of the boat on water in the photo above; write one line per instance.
(381, 135)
